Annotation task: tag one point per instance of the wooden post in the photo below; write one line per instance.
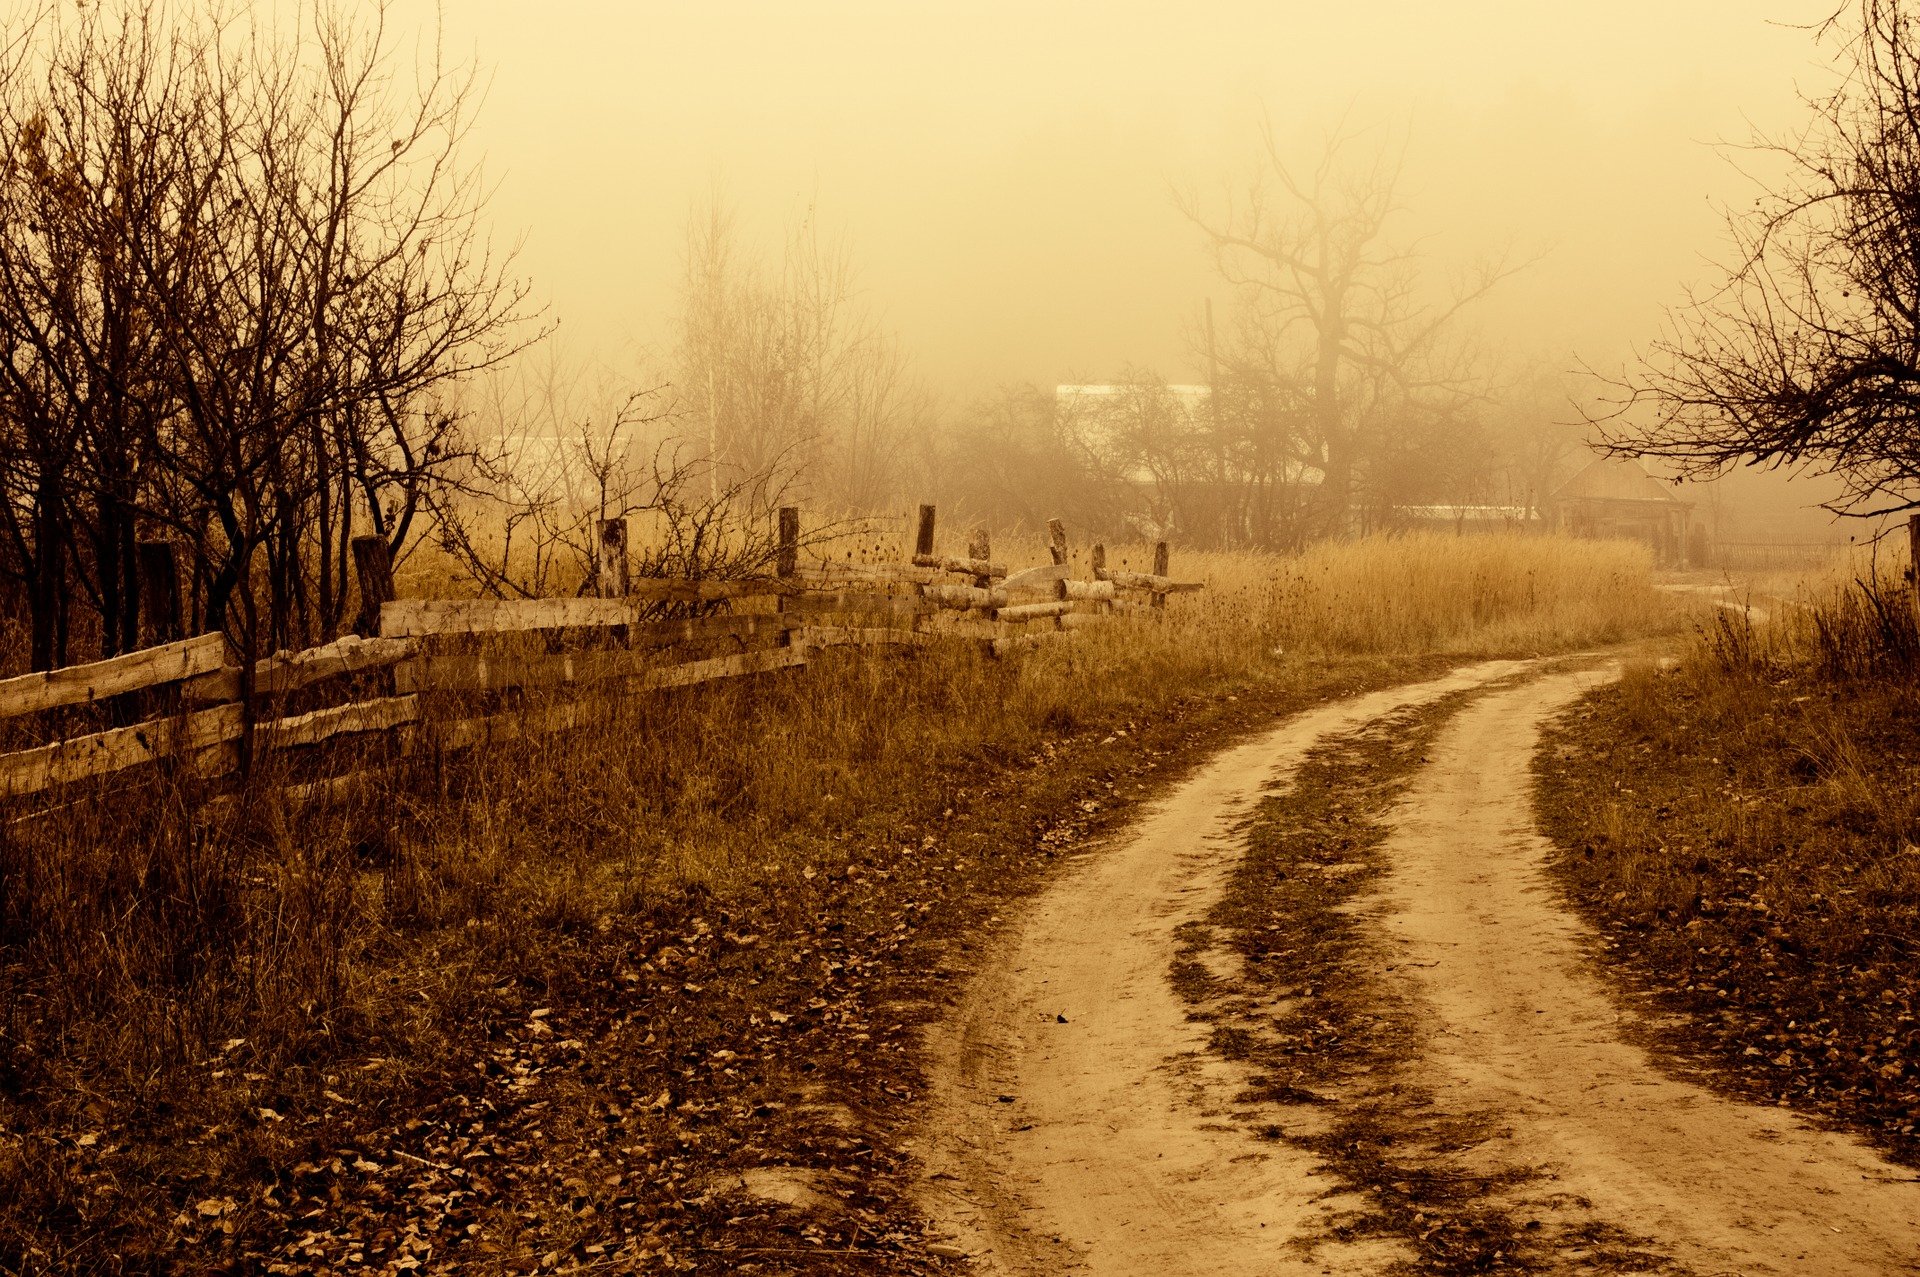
(373, 564)
(159, 566)
(1160, 558)
(1099, 562)
(980, 550)
(788, 560)
(1057, 540)
(612, 576)
(923, 543)
(1913, 557)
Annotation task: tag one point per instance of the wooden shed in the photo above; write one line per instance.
(1614, 498)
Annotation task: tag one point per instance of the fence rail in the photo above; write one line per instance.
(407, 679)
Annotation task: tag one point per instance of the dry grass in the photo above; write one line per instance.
(169, 973)
(1744, 825)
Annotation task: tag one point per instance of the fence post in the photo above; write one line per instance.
(373, 565)
(612, 576)
(787, 559)
(1099, 561)
(159, 567)
(980, 550)
(1160, 563)
(1057, 540)
(923, 543)
(1913, 557)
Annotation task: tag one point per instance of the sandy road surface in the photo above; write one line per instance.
(1520, 1026)
(1110, 1147)
(1078, 1122)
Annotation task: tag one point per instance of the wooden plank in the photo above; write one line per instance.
(963, 597)
(469, 672)
(840, 573)
(862, 636)
(416, 617)
(466, 672)
(777, 658)
(404, 618)
(339, 720)
(966, 567)
(1098, 591)
(1152, 582)
(907, 621)
(817, 601)
(734, 625)
(1031, 611)
(278, 675)
(102, 753)
(689, 673)
(349, 655)
(1040, 579)
(81, 684)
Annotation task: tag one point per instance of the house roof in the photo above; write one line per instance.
(1616, 479)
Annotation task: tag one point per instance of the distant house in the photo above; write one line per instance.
(1613, 498)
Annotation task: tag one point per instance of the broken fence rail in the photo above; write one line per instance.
(817, 606)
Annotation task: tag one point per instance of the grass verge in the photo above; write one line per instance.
(1741, 832)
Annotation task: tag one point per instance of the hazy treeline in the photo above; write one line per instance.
(249, 304)
(1338, 390)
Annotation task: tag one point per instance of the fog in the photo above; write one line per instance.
(854, 257)
(1001, 172)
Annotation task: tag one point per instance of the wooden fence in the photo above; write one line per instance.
(415, 680)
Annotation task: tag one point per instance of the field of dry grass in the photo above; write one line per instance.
(1744, 827)
(230, 1035)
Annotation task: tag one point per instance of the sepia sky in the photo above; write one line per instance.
(1003, 171)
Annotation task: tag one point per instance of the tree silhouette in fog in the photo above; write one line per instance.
(1807, 350)
(1340, 357)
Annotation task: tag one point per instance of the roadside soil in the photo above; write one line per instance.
(1152, 1077)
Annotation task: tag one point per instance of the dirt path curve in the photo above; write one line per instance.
(1076, 1119)
(1520, 1027)
(1078, 1123)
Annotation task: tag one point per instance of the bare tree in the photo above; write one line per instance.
(561, 448)
(1333, 302)
(242, 267)
(785, 367)
(1807, 350)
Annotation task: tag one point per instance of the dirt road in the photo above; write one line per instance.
(1080, 1123)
